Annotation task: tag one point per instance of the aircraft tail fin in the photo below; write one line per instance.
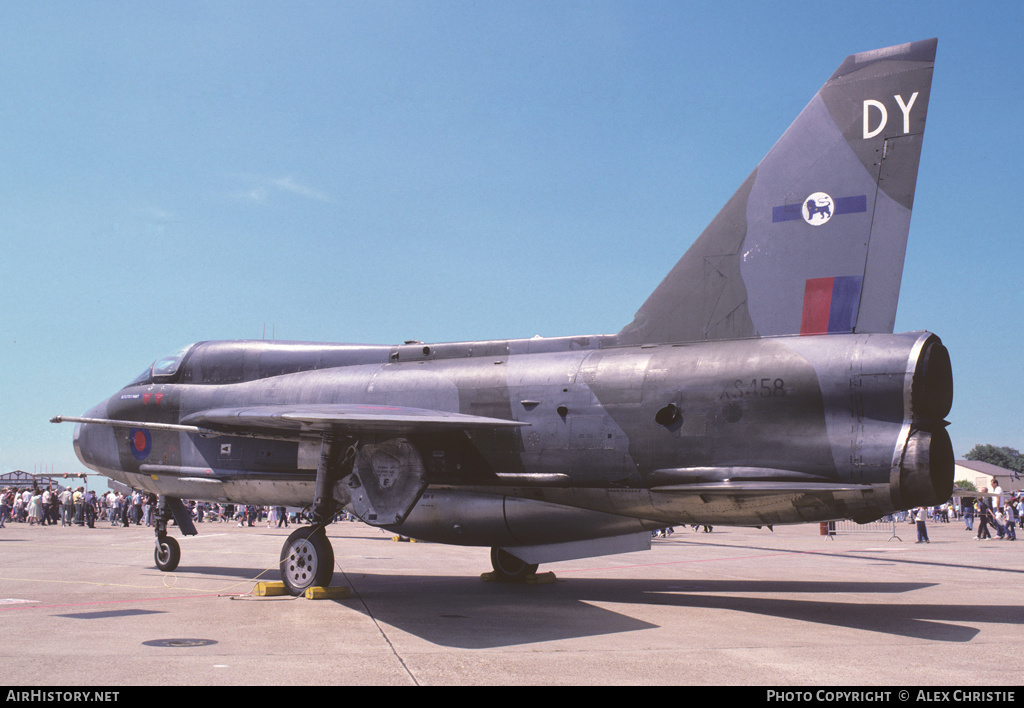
(814, 240)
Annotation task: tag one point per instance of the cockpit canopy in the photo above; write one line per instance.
(236, 361)
(164, 369)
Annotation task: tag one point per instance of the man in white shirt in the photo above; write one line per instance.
(921, 517)
(65, 507)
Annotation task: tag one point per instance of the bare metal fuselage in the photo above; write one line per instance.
(612, 439)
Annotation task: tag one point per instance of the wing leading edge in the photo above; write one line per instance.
(293, 421)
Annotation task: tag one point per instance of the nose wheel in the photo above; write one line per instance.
(167, 554)
(307, 560)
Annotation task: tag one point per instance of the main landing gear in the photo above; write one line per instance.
(307, 560)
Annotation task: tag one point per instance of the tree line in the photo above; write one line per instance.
(1005, 457)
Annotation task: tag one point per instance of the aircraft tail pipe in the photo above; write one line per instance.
(931, 388)
(925, 474)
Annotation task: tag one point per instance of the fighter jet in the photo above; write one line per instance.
(760, 383)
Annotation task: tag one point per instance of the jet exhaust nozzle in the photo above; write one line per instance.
(927, 465)
(926, 471)
(931, 393)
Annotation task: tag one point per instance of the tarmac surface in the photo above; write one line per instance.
(750, 607)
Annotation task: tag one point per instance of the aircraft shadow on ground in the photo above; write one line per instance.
(887, 560)
(253, 574)
(110, 614)
(465, 613)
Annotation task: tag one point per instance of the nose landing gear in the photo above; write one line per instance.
(167, 553)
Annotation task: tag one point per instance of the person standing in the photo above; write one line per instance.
(89, 507)
(998, 522)
(125, 510)
(984, 516)
(79, 506)
(967, 509)
(66, 506)
(1011, 530)
(922, 530)
(997, 495)
(53, 512)
(35, 509)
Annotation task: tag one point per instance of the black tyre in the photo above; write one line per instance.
(167, 554)
(509, 568)
(307, 560)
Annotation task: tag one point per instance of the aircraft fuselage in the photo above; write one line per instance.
(735, 432)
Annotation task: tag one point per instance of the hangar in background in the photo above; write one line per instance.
(980, 474)
(27, 480)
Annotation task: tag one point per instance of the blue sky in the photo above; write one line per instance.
(439, 170)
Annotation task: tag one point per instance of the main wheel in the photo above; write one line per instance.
(307, 560)
(167, 554)
(508, 567)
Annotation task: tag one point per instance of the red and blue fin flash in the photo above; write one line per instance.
(831, 304)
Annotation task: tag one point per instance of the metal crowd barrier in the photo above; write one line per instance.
(887, 524)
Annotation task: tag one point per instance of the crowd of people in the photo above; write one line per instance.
(73, 507)
(1002, 512)
(81, 507)
(993, 510)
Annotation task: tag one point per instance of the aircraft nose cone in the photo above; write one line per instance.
(90, 440)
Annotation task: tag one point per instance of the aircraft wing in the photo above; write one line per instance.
(293, 421)
(343, 418)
